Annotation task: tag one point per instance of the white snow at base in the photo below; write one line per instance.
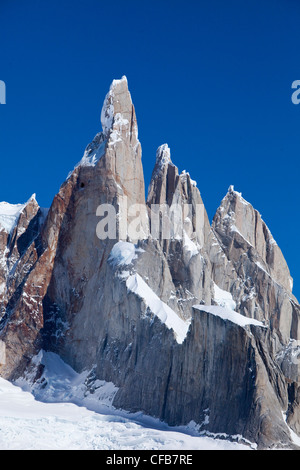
(228, 314)
(63, 384)
(166, 315)
(223, 298)
(28, 424)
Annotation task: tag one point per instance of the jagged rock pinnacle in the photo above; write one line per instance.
(163, 155)
(117, 104)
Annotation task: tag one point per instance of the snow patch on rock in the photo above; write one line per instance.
(10, 213)
(223, 298)
(123, 254)
(229, 315)
(138, 286)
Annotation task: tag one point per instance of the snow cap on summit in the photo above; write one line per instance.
(163, 155)
(117, 82)
(114, 103)
(10, 213)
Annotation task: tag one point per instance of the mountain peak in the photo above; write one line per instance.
(118, 122)
(117, 82)
(32, 198)
(163, 155)
(236, 219)
(232, 192)
(117, 103)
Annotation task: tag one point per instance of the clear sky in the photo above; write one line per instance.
(210, 78)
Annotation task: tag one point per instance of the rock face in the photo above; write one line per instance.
(21, 318)
(192, 321)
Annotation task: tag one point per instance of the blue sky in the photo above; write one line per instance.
(210, 78)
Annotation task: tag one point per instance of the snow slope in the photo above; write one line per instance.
(123, 254)
(166, 315)
(228, 314)
(226, 309)
(223, 298)
(56, 423)
(9, 214)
